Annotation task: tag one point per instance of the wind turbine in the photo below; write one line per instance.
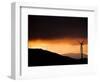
(81, 49)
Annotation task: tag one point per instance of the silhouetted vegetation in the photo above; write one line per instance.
(39, 57)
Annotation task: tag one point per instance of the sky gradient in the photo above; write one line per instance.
(57, 34)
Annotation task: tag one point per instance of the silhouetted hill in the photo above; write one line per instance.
(75, 55)
(39, 57)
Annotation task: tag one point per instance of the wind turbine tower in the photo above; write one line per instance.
(81, 49)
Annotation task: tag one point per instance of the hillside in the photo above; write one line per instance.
(39, 57)
(75, 55)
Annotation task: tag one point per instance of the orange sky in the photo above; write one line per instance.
(61, 46)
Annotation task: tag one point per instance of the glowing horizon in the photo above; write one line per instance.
(61, 46)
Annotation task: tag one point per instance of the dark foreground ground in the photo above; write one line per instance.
(39, 57)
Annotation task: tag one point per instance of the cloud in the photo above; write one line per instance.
(53, 27)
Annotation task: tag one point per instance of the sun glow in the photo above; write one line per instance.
(58, 46)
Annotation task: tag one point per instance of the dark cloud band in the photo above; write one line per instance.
(56, 27)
